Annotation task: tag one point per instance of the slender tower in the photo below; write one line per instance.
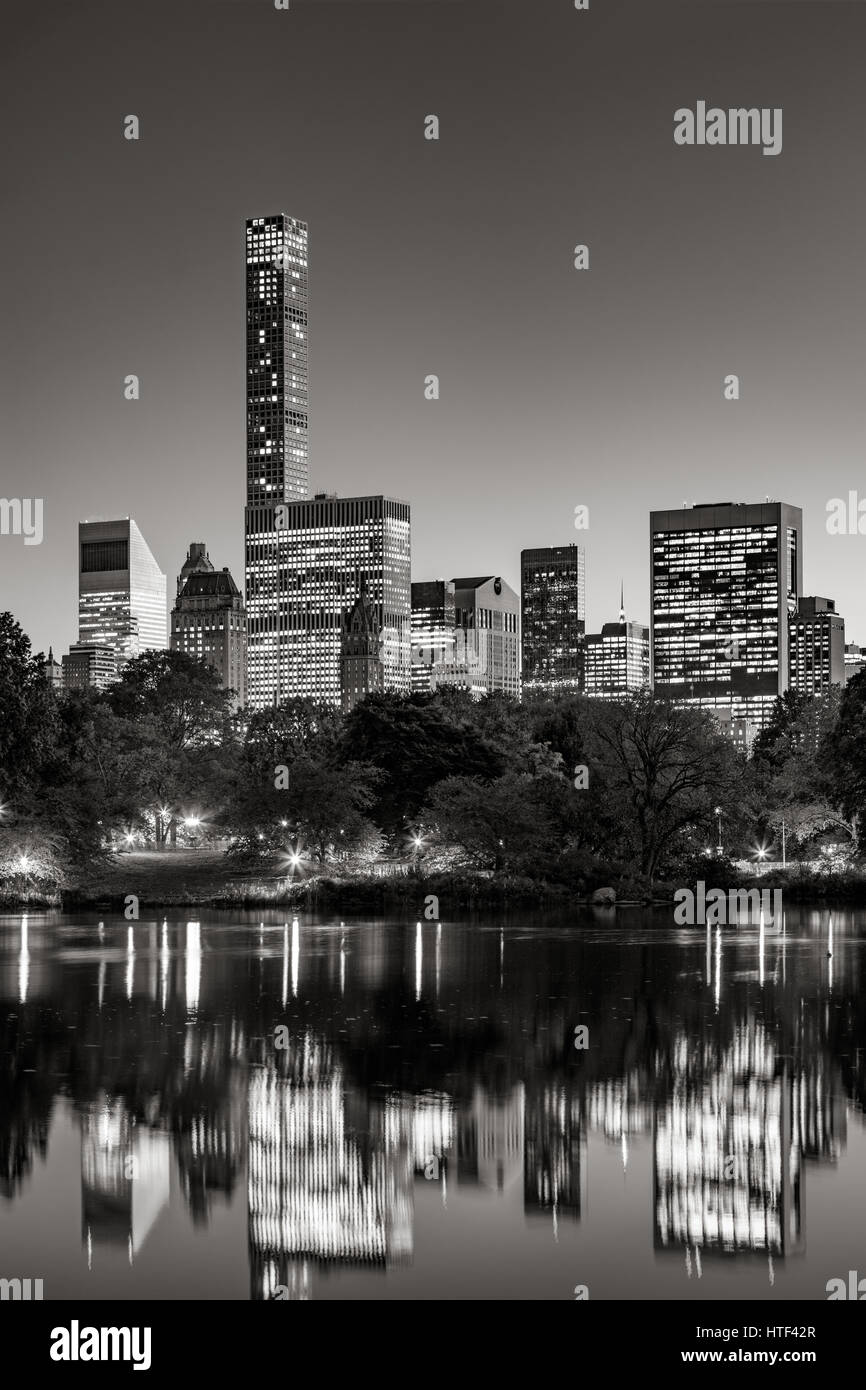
(277, 436)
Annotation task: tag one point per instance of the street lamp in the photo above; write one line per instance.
(719, 818)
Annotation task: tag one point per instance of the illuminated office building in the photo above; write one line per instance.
(277, 468)
(433, 641)
(553, 598)
(208, 620)
(816, 647)
(88, 666)
(725, 579)
(314, 554)
(121, 589)
(486, 636)
(276, 359)
(617, 659)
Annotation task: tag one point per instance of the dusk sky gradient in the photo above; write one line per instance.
(558, 387)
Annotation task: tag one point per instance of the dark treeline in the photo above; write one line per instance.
(564, 789)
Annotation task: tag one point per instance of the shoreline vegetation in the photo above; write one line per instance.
(205, 878)
(157, 792)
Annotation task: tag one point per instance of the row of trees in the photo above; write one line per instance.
(563, 787)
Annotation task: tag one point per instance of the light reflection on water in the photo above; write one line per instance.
(247, 1106)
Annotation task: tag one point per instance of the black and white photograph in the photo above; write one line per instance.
(432, 700)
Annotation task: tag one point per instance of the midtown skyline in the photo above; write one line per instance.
(426, 255)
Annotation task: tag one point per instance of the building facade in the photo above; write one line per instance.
(277, 462)
(855, 660)
(88, 666)
(617, 659)
(362, 669)
(726, 578)
(208, 620)
(553, 616)
(816, 646)
(487, 637)
(433, 639)
(313, 554)
(121, 590)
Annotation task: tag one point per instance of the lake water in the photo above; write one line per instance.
(243, 1106)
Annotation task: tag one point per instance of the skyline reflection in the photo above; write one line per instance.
(434, 1061)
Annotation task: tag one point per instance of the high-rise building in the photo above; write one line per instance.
(553, 596)
(816, 646)
(313, 555)
(208, 620)
(277, 436)
(433, 641)
(725, 579)
(276, 359)
(121, 589)
(361, 666)
(88, 666)
(617, 659)
(487, 637)
(855, 660)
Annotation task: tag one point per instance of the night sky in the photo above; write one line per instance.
(558, 388)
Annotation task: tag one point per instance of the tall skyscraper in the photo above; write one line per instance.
(121, 589)
(317, 553)
(208, 620)
(433, 624)
(617, 659)
(487, 636)
(553, 596)
(725, 579)
(816, 646)
(277, 435)
(276, 360)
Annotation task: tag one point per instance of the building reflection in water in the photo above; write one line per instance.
(734, 1077)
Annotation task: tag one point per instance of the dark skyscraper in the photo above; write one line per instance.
(277, 433)
(725, 580)
(276, 360)
(553, 597)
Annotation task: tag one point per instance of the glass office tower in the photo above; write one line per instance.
(726, 578)
(305, 563)
(121, 589)
(553, 601)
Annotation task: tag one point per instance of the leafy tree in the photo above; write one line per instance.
(179, 742)
(666, 766)
(28, 718)
(502, 824)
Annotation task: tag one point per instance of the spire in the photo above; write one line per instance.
(621, 602)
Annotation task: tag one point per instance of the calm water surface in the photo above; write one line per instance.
(241, 1107)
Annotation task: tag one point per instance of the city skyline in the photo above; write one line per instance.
(414, 273)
